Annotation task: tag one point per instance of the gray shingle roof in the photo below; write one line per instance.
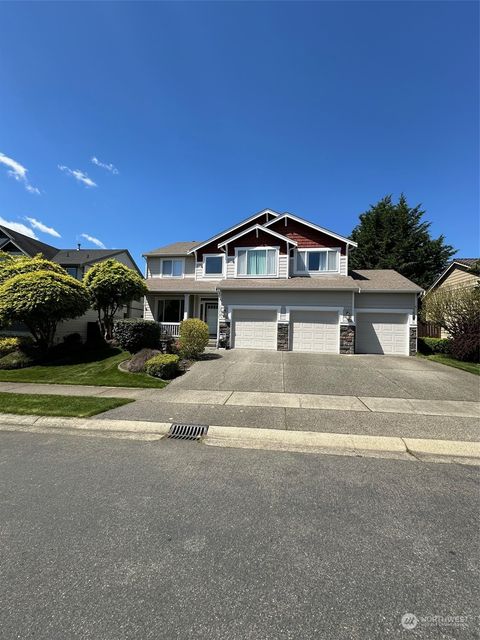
(296, 283)
(29, 245)
(84, 256)
(383, 280)
(174, 249)
(181, 285)
(362, 280)
(467, 262)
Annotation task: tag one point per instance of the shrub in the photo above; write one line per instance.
(164, 366)
(7, 345)
(72, 339)
(193, 337)
(138, 361)
(466, 347)
(17, 360)
(428, 346)
(135, 334)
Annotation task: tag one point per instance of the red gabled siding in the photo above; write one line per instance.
(213, 246)
(305, 236)
(264, 239)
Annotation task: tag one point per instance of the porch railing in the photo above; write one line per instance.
(170, 328)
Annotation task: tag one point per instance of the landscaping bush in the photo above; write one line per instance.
(136, 334)
(138, 360)
(17, 360)
(466, 347)
(72, 339)
(7, 345)
(193, 338)
(164, 366)
(429, 346)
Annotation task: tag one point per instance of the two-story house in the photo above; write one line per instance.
(276, 281)
(76, 262)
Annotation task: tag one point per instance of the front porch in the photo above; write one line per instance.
(170, 309)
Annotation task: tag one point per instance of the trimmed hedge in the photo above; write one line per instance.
(164, 366)
(429, 346)
(136, 334)
(193, 338)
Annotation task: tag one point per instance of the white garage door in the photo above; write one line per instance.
(384, 333)
(315, 331)
(254, 329)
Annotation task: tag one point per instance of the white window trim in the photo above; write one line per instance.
(275, 275)
(182, 260)
(316, 250)
(213, 276)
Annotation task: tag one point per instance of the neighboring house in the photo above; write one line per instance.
(76, 262)
(276, 281)
(460, 273)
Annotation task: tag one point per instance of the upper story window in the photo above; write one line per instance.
(172, 268)
(257, 262)
(213, 265)
(72, 271)
(317, 260)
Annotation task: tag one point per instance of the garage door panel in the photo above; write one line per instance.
(255, 329)
(315, 331)
(382, 333)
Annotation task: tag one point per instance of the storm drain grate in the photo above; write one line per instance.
(187, 431)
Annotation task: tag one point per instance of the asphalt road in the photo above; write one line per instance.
(110, 539)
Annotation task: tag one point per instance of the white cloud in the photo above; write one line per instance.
(109, 167)
(78, 175)
(36, 224)
(18, 171)
(18, 226)
(93, 240)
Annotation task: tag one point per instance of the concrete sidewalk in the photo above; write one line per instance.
(453, 408)
(412, 449)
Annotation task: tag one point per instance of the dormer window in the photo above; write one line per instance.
(317, 261)
(257, 262)
(172, 268)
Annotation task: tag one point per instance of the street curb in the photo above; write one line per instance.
(267, 439)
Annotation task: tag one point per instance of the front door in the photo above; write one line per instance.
(211, 317)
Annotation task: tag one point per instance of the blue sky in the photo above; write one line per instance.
(212, 111)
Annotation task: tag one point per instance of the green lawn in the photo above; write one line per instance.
(100, 368)
(50, 405)
(471, 367)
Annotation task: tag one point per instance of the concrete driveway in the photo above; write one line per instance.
(287, 372)
(373, 395)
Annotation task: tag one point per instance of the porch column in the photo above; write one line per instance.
(186, 304)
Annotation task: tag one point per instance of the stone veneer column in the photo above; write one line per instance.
(347, 339)
(282, 336)
(412, 341)
(224, 334)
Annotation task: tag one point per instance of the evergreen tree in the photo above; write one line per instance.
(394, 236)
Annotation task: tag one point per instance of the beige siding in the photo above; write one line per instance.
(385, 301)
(459, 278)
(230, 267)
(283, 266)
(153, 266)
(343, 265)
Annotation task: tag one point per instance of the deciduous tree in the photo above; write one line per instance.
(112, 285)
